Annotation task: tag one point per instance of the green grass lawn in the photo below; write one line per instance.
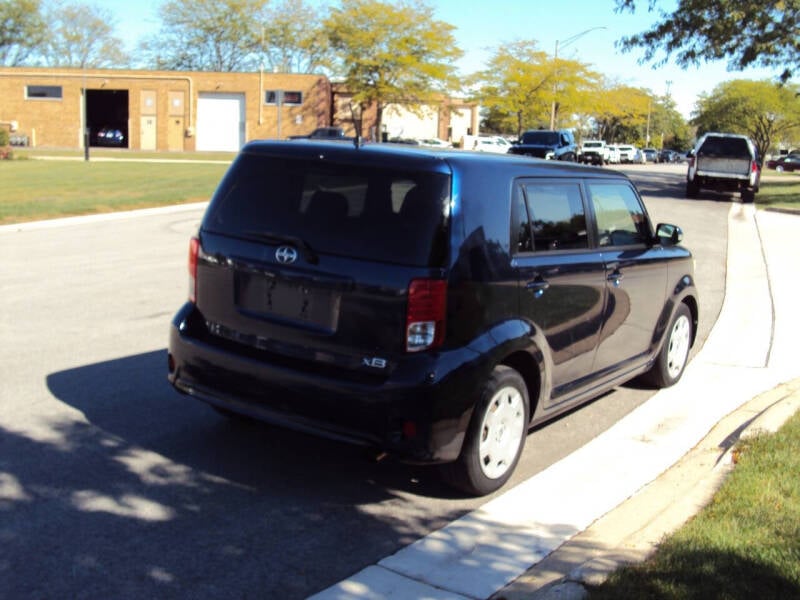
(744, 546)
(43, 189)
(780, 193)
(121, 153)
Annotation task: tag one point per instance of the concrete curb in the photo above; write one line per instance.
(631, 532)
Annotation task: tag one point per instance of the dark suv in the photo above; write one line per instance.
(548, 144)
(434, 304)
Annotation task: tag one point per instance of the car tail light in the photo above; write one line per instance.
(691, 161)
(754, 167)
(427, 302)
(194, 250)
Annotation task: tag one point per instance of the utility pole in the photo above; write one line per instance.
(563, 43)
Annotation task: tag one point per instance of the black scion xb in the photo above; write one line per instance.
(433, 304)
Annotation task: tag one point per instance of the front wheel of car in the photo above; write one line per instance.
(495, 437)
(692, 189)
(779, 169)
(671, 360)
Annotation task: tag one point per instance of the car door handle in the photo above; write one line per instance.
(615, 278)
(537, 286)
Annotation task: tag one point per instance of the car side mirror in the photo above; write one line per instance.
(690, 154)
(669, 235)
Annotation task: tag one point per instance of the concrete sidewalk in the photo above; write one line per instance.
(611, 500)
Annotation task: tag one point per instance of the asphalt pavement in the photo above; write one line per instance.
(610, 501)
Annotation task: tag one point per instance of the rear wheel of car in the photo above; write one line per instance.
(692, 189)
(495, 437)
(674, 354)
(748, 196)
(779, 168)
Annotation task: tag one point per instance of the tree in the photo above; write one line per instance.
(391, 52)
(21, 30)
(620, 113)
(746, 32)
(516, 87)
(206, 35)
(293, 40)
(81, 35)
(761, 110)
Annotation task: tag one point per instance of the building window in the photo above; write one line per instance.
(283, 97)
(52, 92)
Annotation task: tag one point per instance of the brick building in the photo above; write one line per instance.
(186, 111)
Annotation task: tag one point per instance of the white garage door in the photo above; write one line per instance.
(220, 121)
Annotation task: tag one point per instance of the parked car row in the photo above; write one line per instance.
(554, 145)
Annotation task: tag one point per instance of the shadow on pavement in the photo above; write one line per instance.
(158, 496)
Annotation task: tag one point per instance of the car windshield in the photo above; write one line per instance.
(358, 211)
(545, 138)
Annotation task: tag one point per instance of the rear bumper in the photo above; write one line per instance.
(723, 182)
(420, 414)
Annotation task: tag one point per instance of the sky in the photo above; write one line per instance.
(482, 25)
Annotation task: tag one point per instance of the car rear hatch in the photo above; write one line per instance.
(725, 157)
(306, 257)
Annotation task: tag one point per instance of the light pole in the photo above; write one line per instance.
(563, 43)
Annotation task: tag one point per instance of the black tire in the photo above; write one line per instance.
(674, 354)
(692, 190)
(495, 437)
(748, 196)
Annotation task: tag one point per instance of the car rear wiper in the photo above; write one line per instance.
(279, 238)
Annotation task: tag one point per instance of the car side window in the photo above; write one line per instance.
(619, 214)
(521, 240)
(557, 216)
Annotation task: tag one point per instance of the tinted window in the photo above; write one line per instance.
(724, 146)
(520, 224)
(620, 217)
(366, 212)
(545, 138)
(557, 216)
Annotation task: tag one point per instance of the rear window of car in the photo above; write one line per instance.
(540, 137)
(376, 213)
(725, 147)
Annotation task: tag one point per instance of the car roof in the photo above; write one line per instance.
(427, 158)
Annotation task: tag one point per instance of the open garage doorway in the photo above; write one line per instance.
(107, 118)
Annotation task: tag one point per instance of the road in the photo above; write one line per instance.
(113, 485)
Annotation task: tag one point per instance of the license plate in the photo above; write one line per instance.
(295, 301)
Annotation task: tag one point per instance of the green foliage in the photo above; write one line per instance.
(206, 35)
(620, 113)
(745, 32)
(761, 110)
(21, 30)
(521, 83)
(293, 39)
(392, 52)
(3, 137)
(81, 35)
(516, 88)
